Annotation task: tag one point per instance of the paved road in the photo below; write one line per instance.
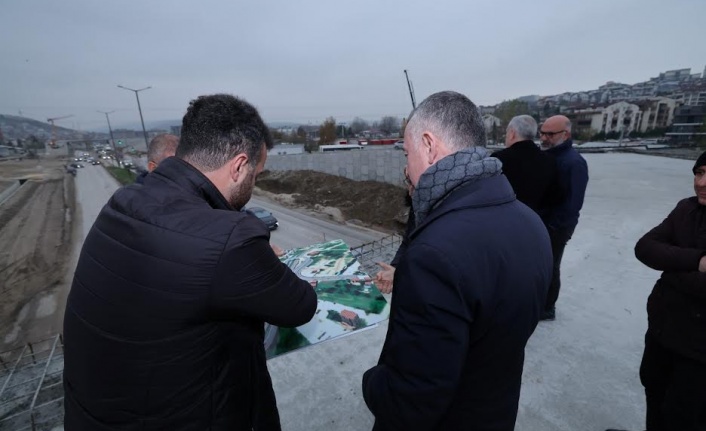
(94, 186)
(297, 229)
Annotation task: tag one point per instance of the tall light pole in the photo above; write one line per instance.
(139, 109)
(110, 129)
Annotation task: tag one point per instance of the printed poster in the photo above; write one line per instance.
(348, 300)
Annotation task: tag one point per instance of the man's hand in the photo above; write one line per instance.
(702, 264)
(384, 278)
(278, 251)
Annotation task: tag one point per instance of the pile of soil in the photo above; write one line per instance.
(374, 204)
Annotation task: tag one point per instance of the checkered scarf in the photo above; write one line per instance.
(448, 174)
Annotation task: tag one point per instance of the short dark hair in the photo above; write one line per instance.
(217, 128)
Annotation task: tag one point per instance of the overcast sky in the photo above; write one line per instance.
(304, 60)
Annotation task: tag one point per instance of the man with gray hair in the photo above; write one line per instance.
(160, 147)
(469, 288)
(531, 172)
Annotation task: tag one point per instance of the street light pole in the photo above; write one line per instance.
(112, 140)
(139, 109)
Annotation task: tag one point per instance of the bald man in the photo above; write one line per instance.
(161, 147)
(562, 218)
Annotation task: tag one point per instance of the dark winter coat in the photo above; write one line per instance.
(469, 290)
(140, 179)
(533, 174)
(164, 323)
(676, 309)
(573, 178)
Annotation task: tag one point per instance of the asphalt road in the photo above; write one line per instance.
(298, 229)
(94, 186)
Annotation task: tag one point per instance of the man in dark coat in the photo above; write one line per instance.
(561, 219)
(469, 287)
(164, 323)
(673, 369)
(532, 173)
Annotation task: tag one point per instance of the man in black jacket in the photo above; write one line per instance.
(469, 287)
(164, 323)
(531, 172)
(673, 369)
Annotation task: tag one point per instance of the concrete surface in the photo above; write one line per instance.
(581, 371)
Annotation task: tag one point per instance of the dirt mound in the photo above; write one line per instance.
(374, 204)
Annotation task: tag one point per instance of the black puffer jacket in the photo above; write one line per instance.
(164, 323)
(677, 306)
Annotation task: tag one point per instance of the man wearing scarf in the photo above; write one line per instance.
(673, 369)
(469, 288)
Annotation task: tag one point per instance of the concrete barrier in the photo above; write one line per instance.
(385, 166)
(9, 191)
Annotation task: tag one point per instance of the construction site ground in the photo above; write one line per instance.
(36, 237)
(372, 204)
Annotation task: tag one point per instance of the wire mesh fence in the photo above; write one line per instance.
(31, 386)
(382, 250)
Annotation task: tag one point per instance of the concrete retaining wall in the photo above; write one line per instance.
(10, 190)
(364, 165)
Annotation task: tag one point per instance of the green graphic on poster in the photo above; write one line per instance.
(348, 298)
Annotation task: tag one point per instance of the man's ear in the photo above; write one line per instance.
(237, 166)
(429, 147)
(151, 166)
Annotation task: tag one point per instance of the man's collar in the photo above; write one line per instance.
(191, 179)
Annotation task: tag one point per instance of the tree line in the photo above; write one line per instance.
(328, 131)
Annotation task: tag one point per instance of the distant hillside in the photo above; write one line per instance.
(14, 127)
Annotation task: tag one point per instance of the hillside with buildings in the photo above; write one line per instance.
(671, 105)
(13, 127)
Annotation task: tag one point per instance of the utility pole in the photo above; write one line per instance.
(411, 90)
(139, 109)
(112, 140)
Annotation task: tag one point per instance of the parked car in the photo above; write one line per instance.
(399, 145)
(265, 216)
(76, 165)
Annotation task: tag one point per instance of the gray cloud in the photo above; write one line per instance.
(306, 60)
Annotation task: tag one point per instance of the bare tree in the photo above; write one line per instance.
(358, 125)
(327, 131)
(389, 125)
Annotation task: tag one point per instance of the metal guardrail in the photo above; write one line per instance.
(32, 393)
